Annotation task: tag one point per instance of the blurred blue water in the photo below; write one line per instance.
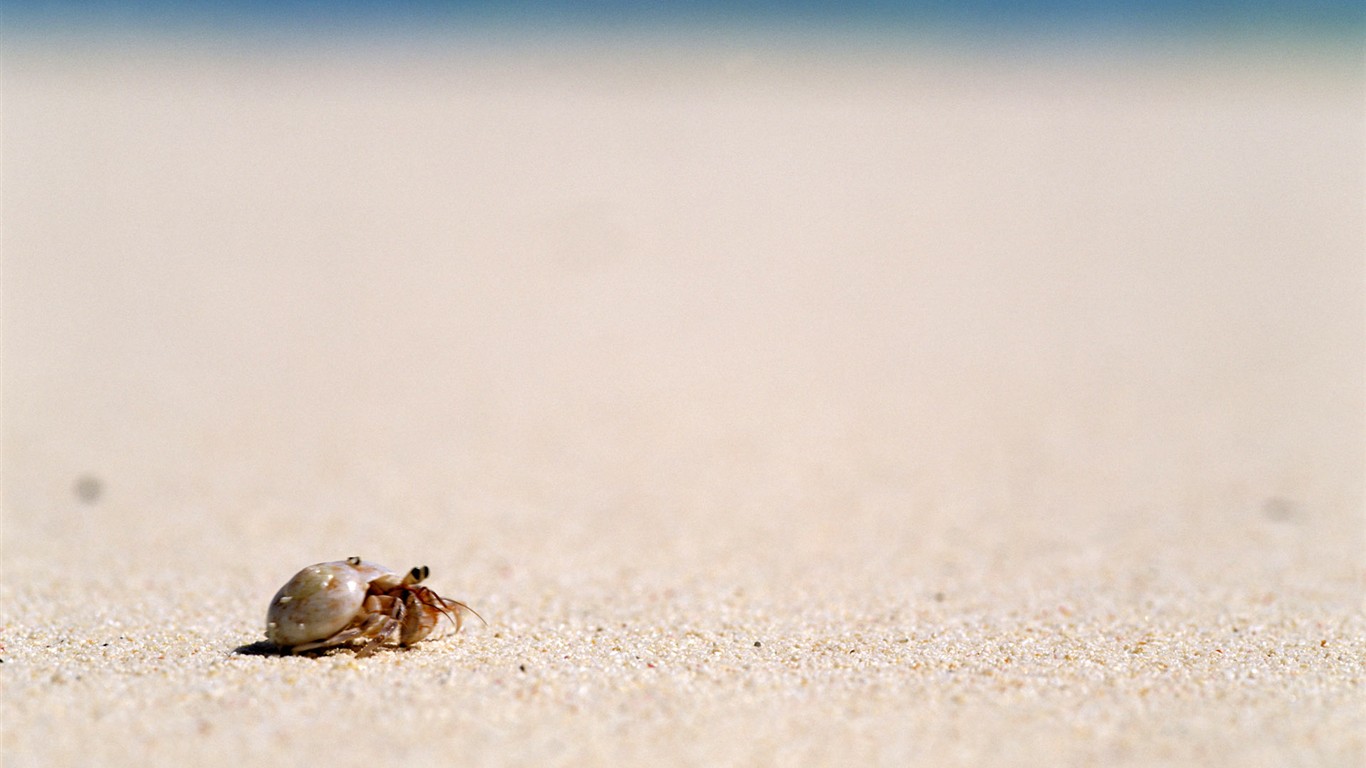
(1334, 18)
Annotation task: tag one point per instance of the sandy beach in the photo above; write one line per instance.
(775, 404)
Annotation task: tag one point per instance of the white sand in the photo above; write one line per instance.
(774, 406)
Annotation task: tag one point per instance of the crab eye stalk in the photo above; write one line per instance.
(353, 560)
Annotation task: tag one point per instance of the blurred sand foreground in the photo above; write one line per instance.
(775, 406)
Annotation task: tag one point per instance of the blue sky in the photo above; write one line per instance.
(1336, 18)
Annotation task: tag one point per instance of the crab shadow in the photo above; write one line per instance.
(260, 648)
(267, 648)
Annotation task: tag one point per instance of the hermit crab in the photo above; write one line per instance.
(353, 602)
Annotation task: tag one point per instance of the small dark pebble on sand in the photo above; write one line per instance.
(1279, 509)
(88, 489)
